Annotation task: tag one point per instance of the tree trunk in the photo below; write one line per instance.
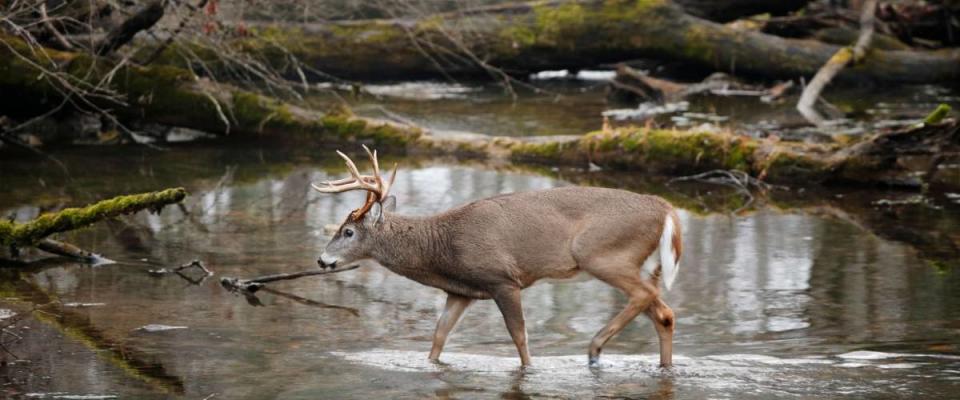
(529, 37)
(172, 96)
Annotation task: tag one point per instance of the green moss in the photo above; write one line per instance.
(789, 166)
(556, 24)
(842, 56)
(669, 149)
(697, 44)
(14, 234)
(937, 114)
(568, 25)
(554, 151)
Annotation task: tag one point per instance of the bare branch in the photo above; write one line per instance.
(842, 58)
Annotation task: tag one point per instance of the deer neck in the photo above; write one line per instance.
(411, 246)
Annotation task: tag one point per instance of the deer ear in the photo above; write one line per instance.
(373, 217)
(389, 204)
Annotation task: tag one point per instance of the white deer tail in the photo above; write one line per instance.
(670, 249)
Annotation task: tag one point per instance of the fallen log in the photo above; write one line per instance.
(907, 158)
(528, 37)
(170, 96)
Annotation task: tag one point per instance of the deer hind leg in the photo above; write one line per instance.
(663, 320)
(508, 300)
(621, 274)
(452, 312)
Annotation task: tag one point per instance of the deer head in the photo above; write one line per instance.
(352, 242)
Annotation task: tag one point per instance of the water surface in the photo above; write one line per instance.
(772, 302)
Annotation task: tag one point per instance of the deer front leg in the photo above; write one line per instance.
(452, 312)
(508, 301)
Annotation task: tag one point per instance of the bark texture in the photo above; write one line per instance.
(528, 37)
(172, 96)
(32, 232)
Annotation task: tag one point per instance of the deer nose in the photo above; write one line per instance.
(325, 265)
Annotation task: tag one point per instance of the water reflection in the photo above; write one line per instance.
(766, 304)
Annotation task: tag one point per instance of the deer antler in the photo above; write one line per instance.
(377, 189)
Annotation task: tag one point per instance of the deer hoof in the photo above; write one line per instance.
(594, 362)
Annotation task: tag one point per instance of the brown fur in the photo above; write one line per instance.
(493, 248)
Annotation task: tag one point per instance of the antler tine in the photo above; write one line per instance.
(351, 167)
(376, 167)
(389, 184)
(373, 160)
(377, 189)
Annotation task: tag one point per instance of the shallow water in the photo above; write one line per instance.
(774, 302)
(574, 107)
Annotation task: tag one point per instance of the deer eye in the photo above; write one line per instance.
(348, 232)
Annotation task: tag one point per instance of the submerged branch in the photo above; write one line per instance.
(254, 284)
(68, 250)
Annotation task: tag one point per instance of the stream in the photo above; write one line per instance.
(793, 296)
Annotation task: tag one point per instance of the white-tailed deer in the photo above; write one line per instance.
(495, 247)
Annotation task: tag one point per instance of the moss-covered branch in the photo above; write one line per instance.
(29, 233)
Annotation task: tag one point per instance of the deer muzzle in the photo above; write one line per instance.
(325, 261)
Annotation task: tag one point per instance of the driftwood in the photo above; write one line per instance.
(254, 284)
(68, 250)
(631, 85)
(837, 63)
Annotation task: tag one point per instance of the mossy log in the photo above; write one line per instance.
(527, 37)
(172, 96)
(31, 233)
(908, 157)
